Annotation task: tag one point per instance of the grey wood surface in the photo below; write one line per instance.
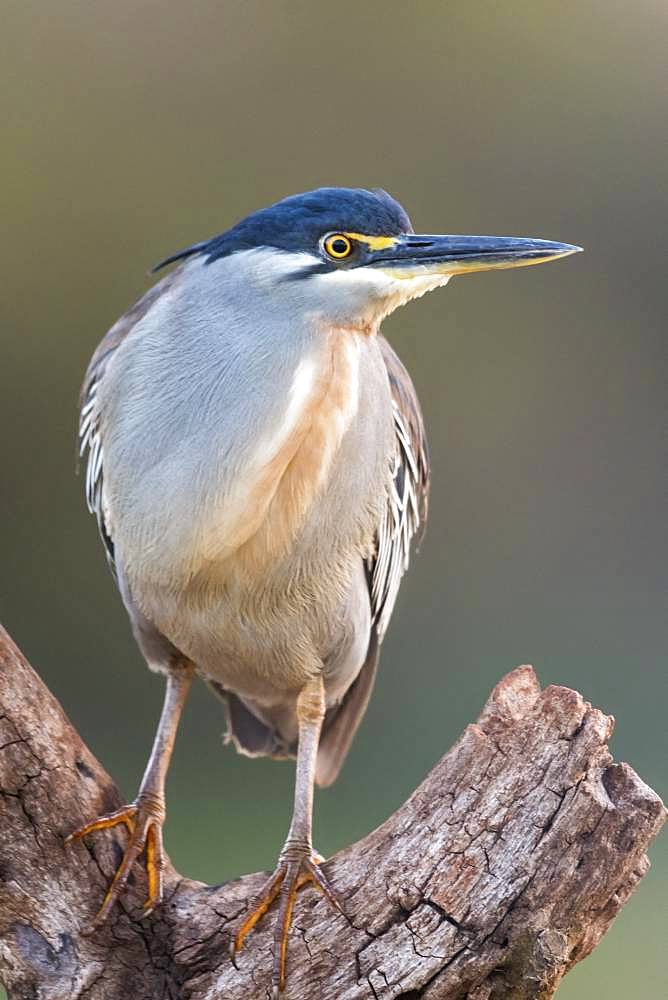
(502, 870)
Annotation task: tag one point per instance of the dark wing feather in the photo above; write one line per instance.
(404, 514)
(90, 439)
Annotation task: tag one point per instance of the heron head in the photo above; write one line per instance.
(350, 257)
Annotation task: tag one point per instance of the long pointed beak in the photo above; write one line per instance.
(413, 255)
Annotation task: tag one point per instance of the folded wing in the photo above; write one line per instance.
(404, 514)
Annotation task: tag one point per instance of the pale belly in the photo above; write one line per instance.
(264, 642)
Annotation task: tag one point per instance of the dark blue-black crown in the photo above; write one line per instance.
(298, 223)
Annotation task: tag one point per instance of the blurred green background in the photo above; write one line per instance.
(132, 129)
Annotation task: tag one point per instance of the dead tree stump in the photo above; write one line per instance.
(502, 870)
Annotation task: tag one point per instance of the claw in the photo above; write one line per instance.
(144, 825)
(288, 879)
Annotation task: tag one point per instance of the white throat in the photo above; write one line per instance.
(359, 297)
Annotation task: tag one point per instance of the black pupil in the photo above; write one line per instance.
(339, 246)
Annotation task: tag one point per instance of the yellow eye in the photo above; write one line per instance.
(337, 246)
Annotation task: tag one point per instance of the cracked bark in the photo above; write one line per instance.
(503, 869)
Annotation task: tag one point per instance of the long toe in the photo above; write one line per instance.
(144, 824)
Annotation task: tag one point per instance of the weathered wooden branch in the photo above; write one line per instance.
(503, 869)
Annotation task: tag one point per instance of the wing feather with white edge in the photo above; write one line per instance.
(405, 513)
(90, 434)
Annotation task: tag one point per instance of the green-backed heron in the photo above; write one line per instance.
(258, 467)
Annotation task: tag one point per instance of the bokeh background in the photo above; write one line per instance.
(131, 129)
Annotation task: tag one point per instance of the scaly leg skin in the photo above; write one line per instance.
(145, 816)
(298, 865)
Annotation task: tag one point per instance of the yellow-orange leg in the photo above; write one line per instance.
(297, 864)
(144, 824)
(145, 817)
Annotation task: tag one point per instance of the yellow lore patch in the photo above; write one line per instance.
(374, 242)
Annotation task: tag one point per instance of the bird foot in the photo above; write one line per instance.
(143, 819)
(297, 867)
